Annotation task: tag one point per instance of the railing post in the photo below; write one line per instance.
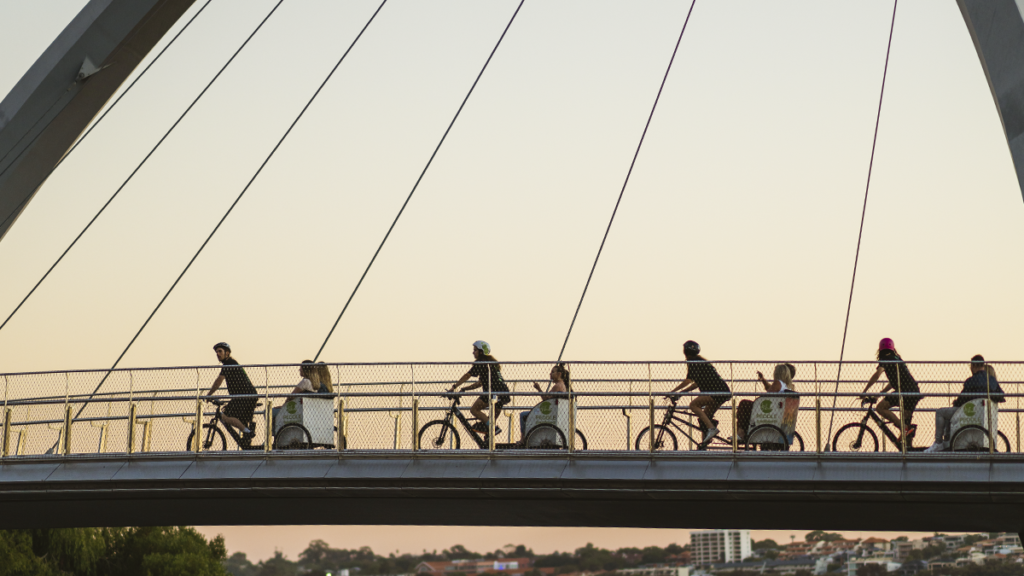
(650, 436)
(147, 435)
(268, 412)
(490, 423)
(342, 441)
(131, 428)
(415, 423)
(7, 432)
(198, 446)
(67, 429)
(817, 409)
(735, 435)
(571, 440)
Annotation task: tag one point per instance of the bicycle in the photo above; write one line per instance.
(213, 435)
(665, 439)
(852, 436)
(442, 434)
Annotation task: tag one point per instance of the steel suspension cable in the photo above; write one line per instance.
(104, 115)
(863, 213)
(237, 199)
(636, 154)
(140, 165)
(418, 180)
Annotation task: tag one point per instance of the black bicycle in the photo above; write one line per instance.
(443, 435)
(859, 437)
(213, 437)
(679, 420)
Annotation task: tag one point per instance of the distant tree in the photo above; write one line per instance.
(803, 573)
(822, 536)
(239, 565)
(459, 552)
(900, 539)
(764, 545)
(871, 570)
(277, 565)
(973, 538)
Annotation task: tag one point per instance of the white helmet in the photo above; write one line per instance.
(483, 347)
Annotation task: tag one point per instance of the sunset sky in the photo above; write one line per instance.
(738, 228)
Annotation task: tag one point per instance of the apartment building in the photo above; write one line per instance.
(719, 546)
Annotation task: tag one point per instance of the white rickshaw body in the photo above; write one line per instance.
(975, 414)
(769, 415)
(554, 412)
(315, 413)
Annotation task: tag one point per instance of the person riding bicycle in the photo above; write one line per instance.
(559, 388)
(701, 374)
(907, 394)
(981, 384)
(488, 373)
(239, 411)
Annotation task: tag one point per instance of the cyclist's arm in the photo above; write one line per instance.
(216, 384)
(874, 378)
(462, 380)
(684, 386)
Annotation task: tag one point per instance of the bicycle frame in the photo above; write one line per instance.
(215, 424)
(478, 437)
(671, 420)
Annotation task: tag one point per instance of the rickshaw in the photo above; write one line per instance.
(305, 421)
(773, 422)
(969, 427)
(547, 427)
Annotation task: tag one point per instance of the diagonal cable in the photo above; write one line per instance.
(100, 119)
(626, 182)
(137, 168)
(237, 199)
(863, 213)
(418, 180)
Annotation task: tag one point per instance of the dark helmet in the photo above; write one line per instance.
(692, 347)
(223, 345)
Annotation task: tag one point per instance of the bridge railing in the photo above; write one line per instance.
(389, 406)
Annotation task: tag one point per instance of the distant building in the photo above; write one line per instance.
(655, 570)
(719, 546)
(511, 566)
(773, 566)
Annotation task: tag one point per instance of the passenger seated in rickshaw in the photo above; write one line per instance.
(309, 384)
(781, 383)
(981, 384)
(324, 372)
(559, 388)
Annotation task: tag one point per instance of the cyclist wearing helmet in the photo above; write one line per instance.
(238, 412)
(907, 393)
(700, 374)
(488, 372)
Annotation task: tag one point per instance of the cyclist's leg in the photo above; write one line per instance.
(700, 405)
(477, 409)
(884, 409)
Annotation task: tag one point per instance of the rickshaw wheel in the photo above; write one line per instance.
(216, 439)
(960, 443)
(434, 436)
(664, 439)
(779, 446)
(292, 437)
(847, 435)
(535, 438)
(581, 441)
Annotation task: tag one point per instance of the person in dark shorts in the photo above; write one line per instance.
(238, 412)
(906, 395)
(701, 374)
(488, 373)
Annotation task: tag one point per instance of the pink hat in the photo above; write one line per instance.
(886, 344)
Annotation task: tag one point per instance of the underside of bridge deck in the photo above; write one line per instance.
(686, 491)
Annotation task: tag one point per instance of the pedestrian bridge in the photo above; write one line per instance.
(119, 448)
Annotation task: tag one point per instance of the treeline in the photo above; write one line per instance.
(319, 558)
(110, 552)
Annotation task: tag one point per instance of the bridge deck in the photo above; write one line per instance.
(679, 490)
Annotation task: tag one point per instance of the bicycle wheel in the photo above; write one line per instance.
(213, 439)
(292, 437)
(1005, 442)
(581, 441)
(545, 437)
(439, 435)
(664, 439)
(846, 440)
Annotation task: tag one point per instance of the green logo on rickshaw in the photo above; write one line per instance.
(545, 408)
(291, 407)
(766, 406)
(969, 409)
